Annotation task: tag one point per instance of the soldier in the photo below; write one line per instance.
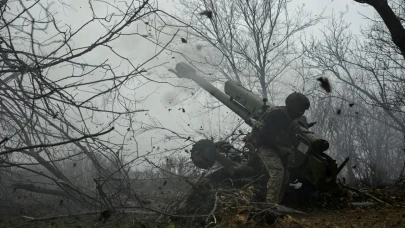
(274, 137)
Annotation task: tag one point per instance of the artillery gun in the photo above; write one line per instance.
(311, 164)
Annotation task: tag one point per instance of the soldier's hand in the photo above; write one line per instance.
(287, 155)
(305, 131)
(301, 130)
(258, 125)
(223, 145)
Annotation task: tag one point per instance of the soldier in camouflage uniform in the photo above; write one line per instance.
(274, 137)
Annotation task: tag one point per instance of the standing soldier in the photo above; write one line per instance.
(275, 137)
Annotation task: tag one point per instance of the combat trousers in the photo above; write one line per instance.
(278, 174)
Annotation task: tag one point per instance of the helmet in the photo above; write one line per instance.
(297, 100)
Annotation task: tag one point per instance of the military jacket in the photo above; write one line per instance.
(276, 129)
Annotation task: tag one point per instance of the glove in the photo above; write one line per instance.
(286, 155)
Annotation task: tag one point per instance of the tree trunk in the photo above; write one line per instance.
(33, 188)
(391, 21)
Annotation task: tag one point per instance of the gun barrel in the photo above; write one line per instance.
(183, 70)
(252, 102)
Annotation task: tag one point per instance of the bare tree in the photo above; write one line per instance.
(372, 69)
(374, 148)
(367, 74)
(61, 107)
(392, 14)
(252, 43)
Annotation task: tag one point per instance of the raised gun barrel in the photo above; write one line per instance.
(246, 98)
(310, 162)
(248, 107)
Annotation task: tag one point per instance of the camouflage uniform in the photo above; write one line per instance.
(278, 175)
(275, 138)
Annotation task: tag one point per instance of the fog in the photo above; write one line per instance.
(92, 115)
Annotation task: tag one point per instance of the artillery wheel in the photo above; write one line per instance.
(203, 154)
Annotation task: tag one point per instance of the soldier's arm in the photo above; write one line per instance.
(298, 129)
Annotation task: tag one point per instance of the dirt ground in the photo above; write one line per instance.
(393, 216)
(377, 215)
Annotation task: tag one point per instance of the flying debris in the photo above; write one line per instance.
(187, 139)
(311, 124)
(357, 113)
(105, 215)
(207, 13)
(164, 183)
(339, 112)
(355, 166)
(325, 84)
(351, 104)
(183, 110)
(183, 40)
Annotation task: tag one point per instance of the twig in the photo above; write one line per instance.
(253, 181)
(167, 214)
(55, 217)
(367, 195)
(57, 144)
(183, 200)
(103, 196)
(214, 209)
(401, 176)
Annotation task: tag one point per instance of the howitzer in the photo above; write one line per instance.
(310, 165)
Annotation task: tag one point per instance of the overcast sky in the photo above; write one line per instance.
(351, 11)
(166, 96)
